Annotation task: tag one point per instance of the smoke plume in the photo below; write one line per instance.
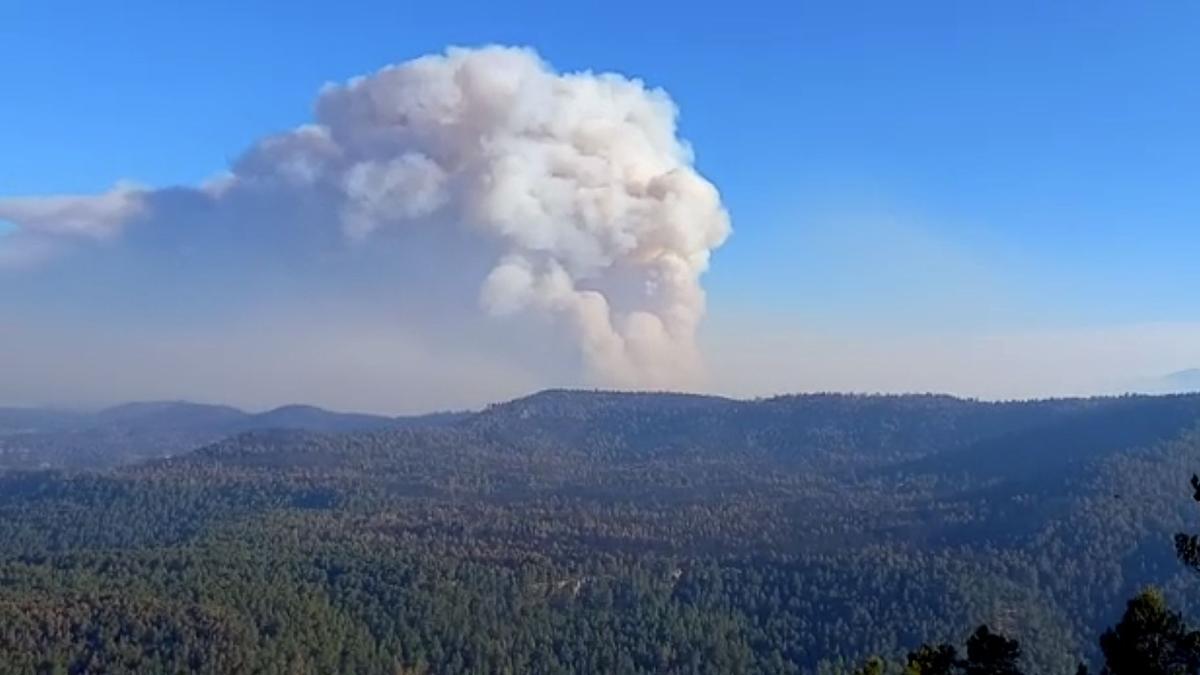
(576, 185)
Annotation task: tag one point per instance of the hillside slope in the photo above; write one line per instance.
(600, 532)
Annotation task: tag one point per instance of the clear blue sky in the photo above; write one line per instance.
(1010, 165)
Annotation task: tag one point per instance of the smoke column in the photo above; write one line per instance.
(578, 180)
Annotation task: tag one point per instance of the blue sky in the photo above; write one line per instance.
(900, 169)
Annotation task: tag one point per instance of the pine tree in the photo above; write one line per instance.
(1187, 546)
(933, 660)
(1150, 640)
(991, 654)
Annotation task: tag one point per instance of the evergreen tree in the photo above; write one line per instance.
(1150, 640)
(933, 660)
(1187, 546)
(988, 653)
(991, 654)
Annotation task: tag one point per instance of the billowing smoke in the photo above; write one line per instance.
(576, 183)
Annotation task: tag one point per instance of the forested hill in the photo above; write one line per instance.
(582, 532)
(632, 425)
(52, 438)
(828, 425)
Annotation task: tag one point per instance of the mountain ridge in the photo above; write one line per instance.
(828, 432)
(36, 438)
(601, 422)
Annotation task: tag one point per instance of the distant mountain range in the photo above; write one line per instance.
(1180, 382)
(1025, 441)
(1183, 381)
(631, 424)
(49, 438)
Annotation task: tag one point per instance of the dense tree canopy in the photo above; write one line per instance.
(580, 532)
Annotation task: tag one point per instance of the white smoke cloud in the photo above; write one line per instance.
(579, 182)
(94, 217)
(41, 221)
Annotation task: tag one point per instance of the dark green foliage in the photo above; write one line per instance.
(1150, 640)
(987, 654)
(584, 533)
(1187, 546)
(933, 660)
(992, 654)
